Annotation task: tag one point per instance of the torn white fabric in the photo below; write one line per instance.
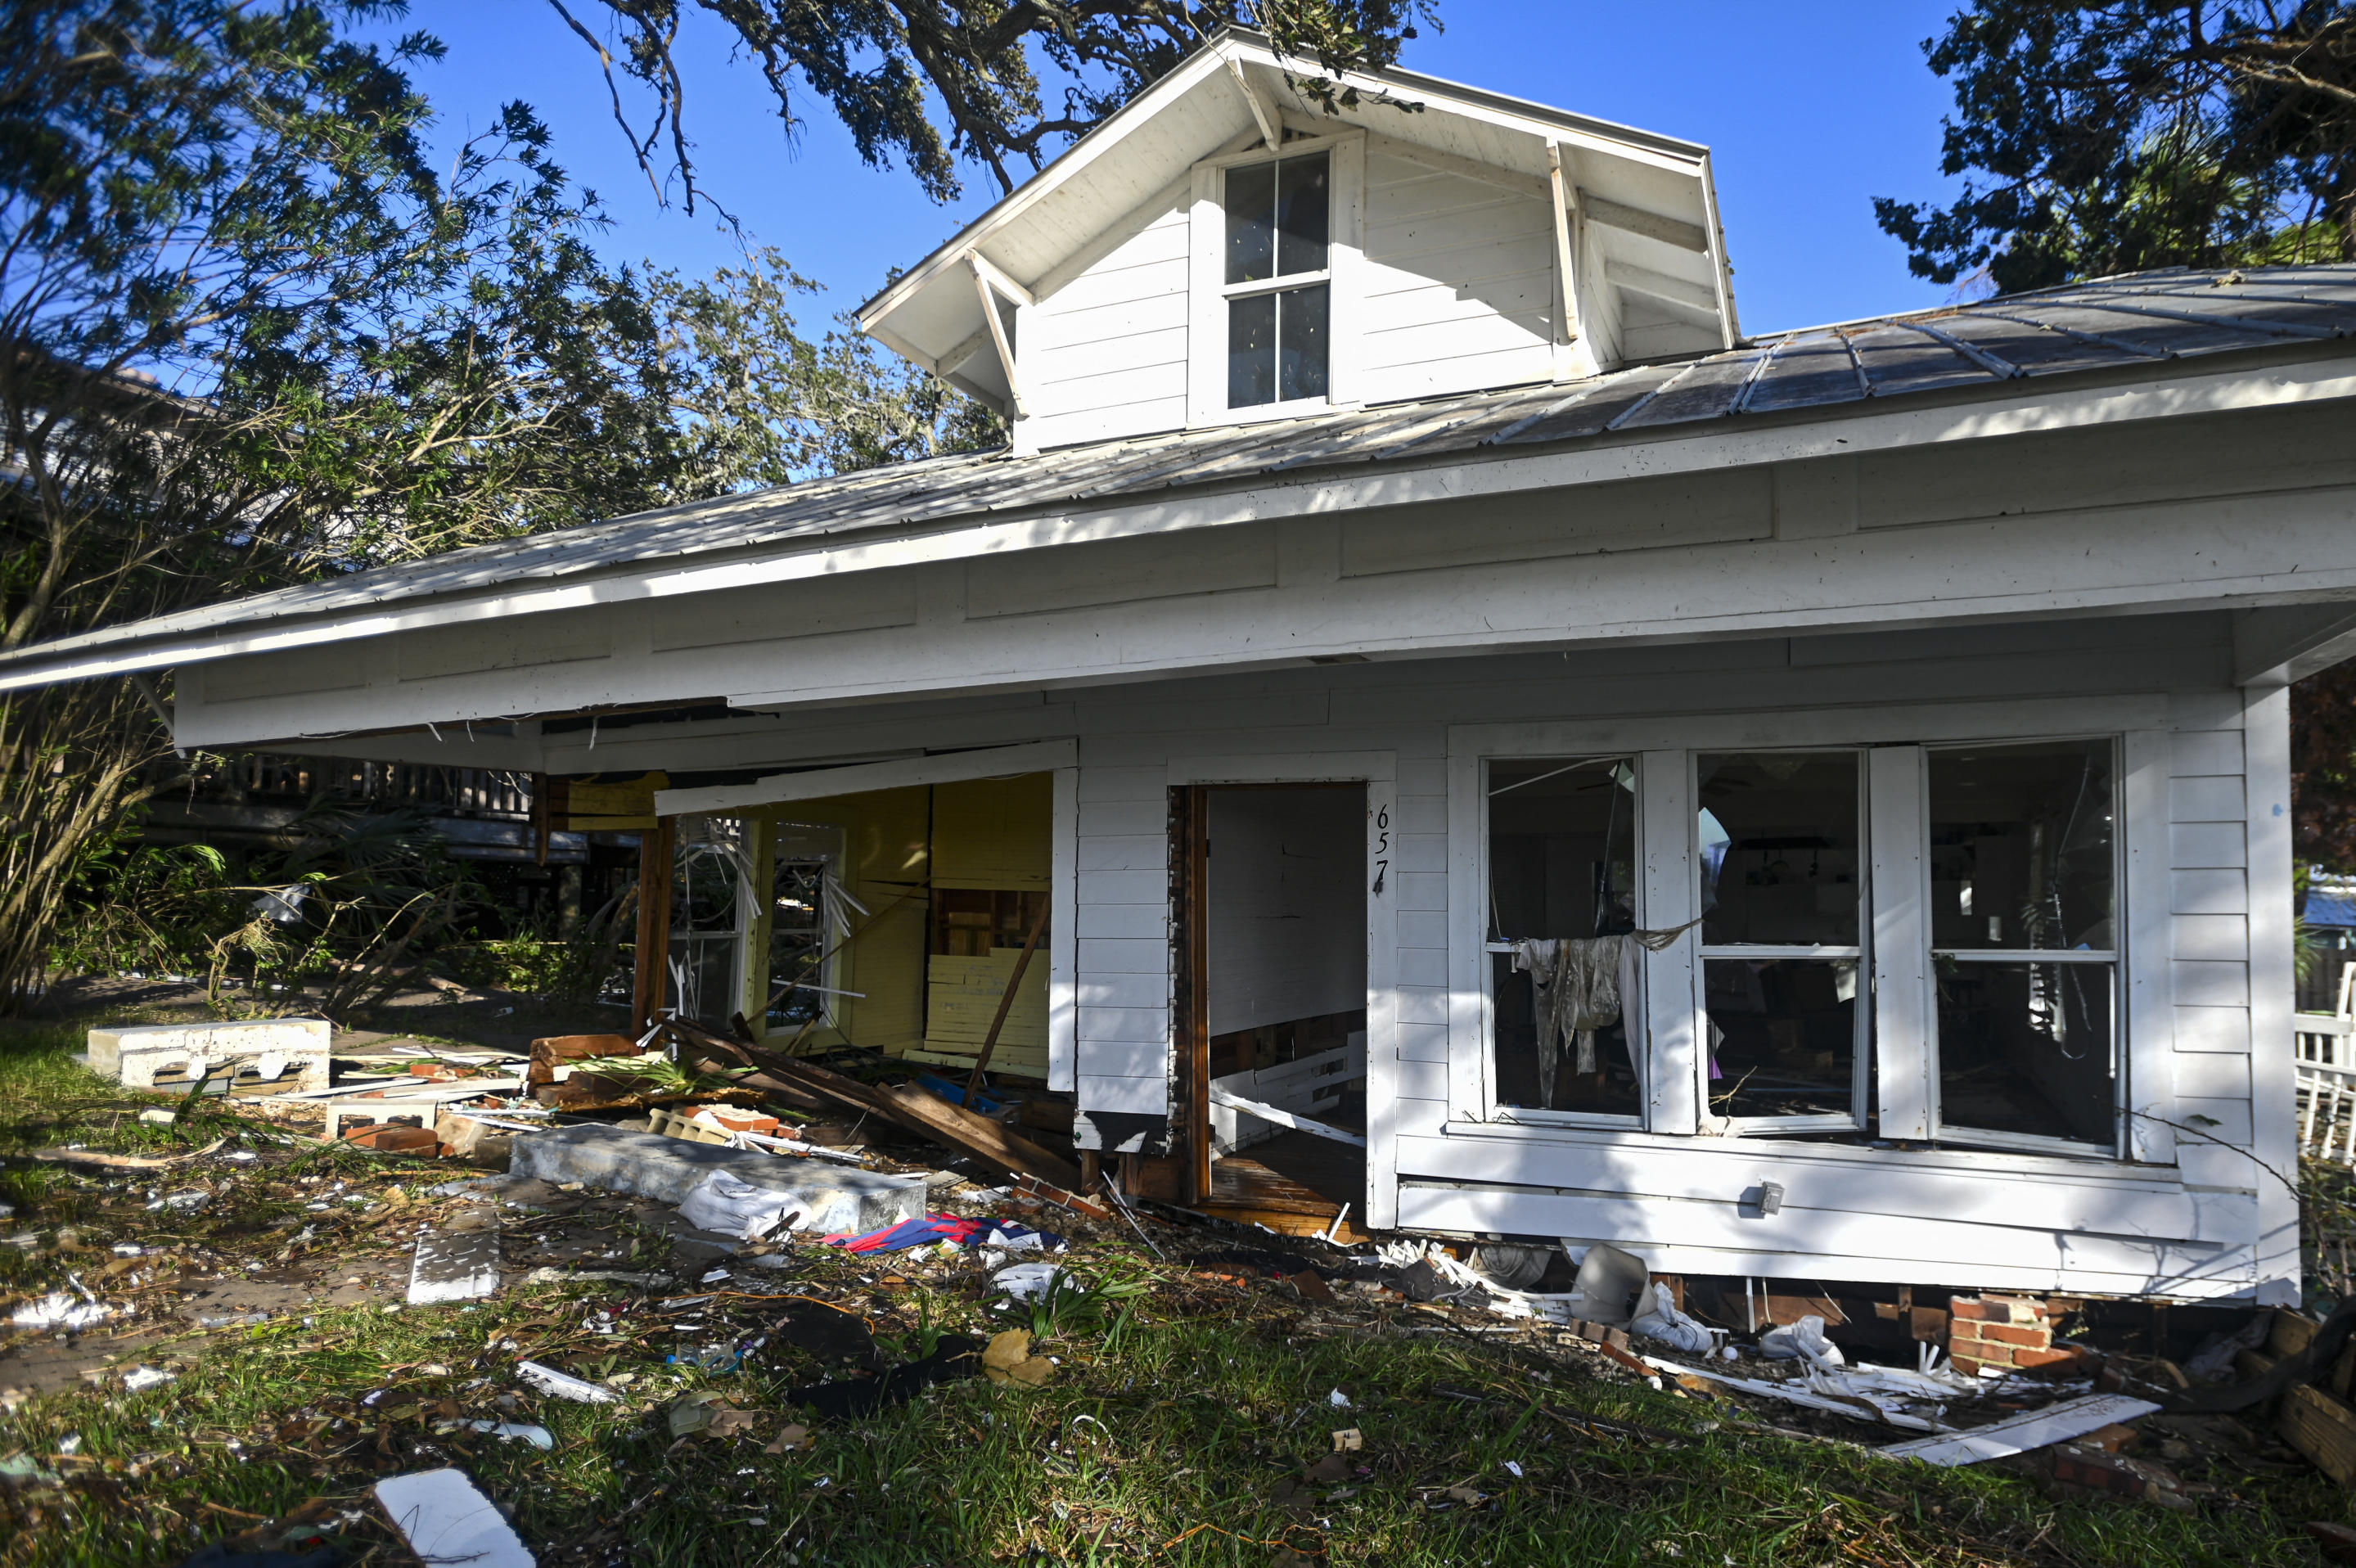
(1661, 1320)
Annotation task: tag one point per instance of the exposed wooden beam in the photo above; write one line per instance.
(1263, 115)
(1629, 219)
(2274, 647)
(997, 277)
(986, 292)
(1682, 292)
(1560, 197)
(956, 358)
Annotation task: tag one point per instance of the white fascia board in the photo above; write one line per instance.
(1238, 48)
(2014, 408)
(824, 783)
(1079, 156)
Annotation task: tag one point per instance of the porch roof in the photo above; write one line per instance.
(2083, 332)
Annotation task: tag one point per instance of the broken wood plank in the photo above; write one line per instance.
(1235, 1102)
(2322, 1428)
(919, 1111)
(102, 1161)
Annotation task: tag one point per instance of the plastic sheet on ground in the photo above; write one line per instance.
(1914, 1400)
(1663, 1321)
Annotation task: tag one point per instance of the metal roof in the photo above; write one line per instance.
(2077, 330)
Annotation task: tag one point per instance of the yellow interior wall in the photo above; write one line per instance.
(885, 846)
(989, 834)
(994, 833)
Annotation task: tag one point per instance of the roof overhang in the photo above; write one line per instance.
(1647, 197)
(2160, 389)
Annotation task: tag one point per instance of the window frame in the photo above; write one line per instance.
(1861, 1059)
(1894, 741)
(1494, 1109)
(1209, 293)
(2115, 959)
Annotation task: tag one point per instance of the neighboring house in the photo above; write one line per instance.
(2329, 916)
(1405, 559)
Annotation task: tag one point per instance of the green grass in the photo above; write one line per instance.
(1174, 1431)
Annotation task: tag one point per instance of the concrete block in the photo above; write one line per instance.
(834, 1196)
(262, 1049)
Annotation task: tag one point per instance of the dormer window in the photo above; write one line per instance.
(1278, 277)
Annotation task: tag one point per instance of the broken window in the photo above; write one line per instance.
(1562, 867)
(707, 917)
(1776, 848)
(2023, 854)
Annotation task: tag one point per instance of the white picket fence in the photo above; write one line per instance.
(2325, 1046)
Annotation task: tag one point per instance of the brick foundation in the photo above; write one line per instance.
(2001, 1331)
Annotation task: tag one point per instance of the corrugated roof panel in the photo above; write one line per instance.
(1586, 411)
(2051, 333)
(1898, 362)
(1812, 371)
(1706, 390)
(2037, 350)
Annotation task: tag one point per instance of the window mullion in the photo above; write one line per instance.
(1673, 1000)
(1898, 896)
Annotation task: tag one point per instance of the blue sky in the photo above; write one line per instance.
(1811, 111)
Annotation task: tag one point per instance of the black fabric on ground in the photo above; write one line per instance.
(824, 1331)
(956, 1357)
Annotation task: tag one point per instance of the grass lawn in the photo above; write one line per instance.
(1178, 1425)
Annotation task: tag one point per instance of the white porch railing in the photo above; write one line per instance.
(2325, 1048)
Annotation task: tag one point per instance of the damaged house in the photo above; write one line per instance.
(1465, 731)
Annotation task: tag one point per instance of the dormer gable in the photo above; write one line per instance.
(1226, 249)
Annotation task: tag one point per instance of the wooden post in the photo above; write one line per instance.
(1006, 1001)
(653, 955)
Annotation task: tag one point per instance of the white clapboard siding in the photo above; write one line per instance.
(1104, 353)
(1456, 287)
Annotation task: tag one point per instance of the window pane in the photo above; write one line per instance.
(1252, 350)
(1251, 222)
(1609, 1090)
(1783, 1037)
(2021, 846)
(1562, 847)
(1300, 319)
(1779, 847)
(2027, 1048)
(1301, 215)
(1561, 865)
(798, 941)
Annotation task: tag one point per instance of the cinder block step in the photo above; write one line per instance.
(292, 1052)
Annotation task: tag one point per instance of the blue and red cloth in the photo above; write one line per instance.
(937, 1228)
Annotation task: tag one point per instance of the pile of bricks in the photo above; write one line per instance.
(2001, 1331)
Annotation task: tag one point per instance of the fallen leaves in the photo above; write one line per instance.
(1008, 1360)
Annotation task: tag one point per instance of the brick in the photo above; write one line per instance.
(396, 1138)
(1971, 1308)
(2027, 1356)
(1992, 1355)
(2098, 1471)
(2014, 1309)
(1967, 1329)
(2040, 1337)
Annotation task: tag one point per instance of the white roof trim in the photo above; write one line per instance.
(1238, 45)
(823, 783)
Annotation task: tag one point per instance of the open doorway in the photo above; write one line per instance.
(1272, 940)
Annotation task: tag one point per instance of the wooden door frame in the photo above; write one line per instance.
(1190, 1030)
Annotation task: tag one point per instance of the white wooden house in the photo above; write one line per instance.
(1403, 555)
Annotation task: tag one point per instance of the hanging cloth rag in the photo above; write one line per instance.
(1578, 984)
